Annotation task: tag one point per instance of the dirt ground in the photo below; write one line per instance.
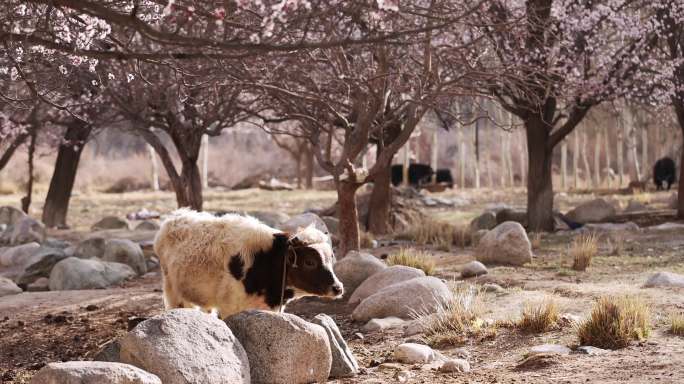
(37, 328)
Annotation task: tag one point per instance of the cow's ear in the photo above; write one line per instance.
(280, 242)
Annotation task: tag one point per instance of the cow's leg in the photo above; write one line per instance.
(171, 298)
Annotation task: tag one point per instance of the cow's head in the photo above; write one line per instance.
(310, 262)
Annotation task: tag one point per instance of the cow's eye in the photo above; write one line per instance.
(310, 263)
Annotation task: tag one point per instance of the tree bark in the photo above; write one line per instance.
(575, 160)
(205, 161)
(539, 177)
(62, 182)
(678, 103)
(189, 190)
(564, 165)
(26, 200)
(9, 152)
(462, 155)
(380, 203)
(348, 215)
(155, 168)
(309, 155)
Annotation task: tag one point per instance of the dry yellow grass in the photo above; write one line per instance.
(462, 236)
(427, 231)
(616, 321)
(677, 324)
(455, 320)
(366, 239)
(539, 317)
(415, 258)
(582, 249)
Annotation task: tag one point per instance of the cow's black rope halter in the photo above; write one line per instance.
(281, 307)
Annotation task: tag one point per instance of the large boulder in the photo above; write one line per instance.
(591, 212)
(472, 269)
(90, 248)
(486, 221)
(93, 372)
(356, 267)
(405, 299)
(506, 244)
(44, 259)
(110, 222)
(665, 279)
(509, 214)
(304, 220)
(344, 363)
(126, 252)
(185, 346)
(74, 273)
(382, 279)
(147, 225)
(18, 255)
(272, 219)
(282, 348)
(609, 227)
(27, 230)
(7, 287)
(333, 224)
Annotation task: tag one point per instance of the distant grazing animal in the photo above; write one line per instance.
(232, 263)
(664, 171)
(418, 174)
(444, 177)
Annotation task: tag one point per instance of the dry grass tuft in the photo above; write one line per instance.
(539, 317)
(616, 244)
(462, 236)
(615, 321)
(677, 324)
(456, 320)
(415, 258)
(366, 239)
(427, 231)
(582, 249)
(536, 240)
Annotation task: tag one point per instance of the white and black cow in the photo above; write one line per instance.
(232, 263)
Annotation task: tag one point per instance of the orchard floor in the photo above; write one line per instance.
(37, 328)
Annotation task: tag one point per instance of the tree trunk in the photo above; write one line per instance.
(462, 154)
(62, 182)
(564, 165)
(476, 152)
(434, 151)
(9, 152)
(678, 103)
(380, 202)
(205, 161)
(309, 155)
(348, 215)
(523, 160)
(26, 200)
(189, 189)
(644, 149)
(539, 180)
(155, 168)
(575, 160)
(407, 157)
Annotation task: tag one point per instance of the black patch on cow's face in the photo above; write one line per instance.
(265, 276)
(236, 266)
(311, 274)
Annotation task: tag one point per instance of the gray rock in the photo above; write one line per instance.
(44, 259)
(609, 227)
(472, 269)
(186, 346)
(344, 363)
(74, 273)
(591, 212)
(147, 225)
(455, 365)
(90, 248)
(125, 252)
(304, 220)
(272, 219)
(591, 351)
(411, 353)
(404, 299)
(41, 284)
(110, 222)
(374, 325)
(93, 372)
(152, 264)
(19, 255)
(476, 236)
(509, 214)
(382, 279)
(10, 215)
(666, 227)
(549, 349)
(487, 221)
(282, 348)
(333, 223)
(506, 244)
(55, 243)
(493, 288)
(7, 287)
(665, 279)
(413, 327)
(27, 230)
(356, 267)
(110, 351)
